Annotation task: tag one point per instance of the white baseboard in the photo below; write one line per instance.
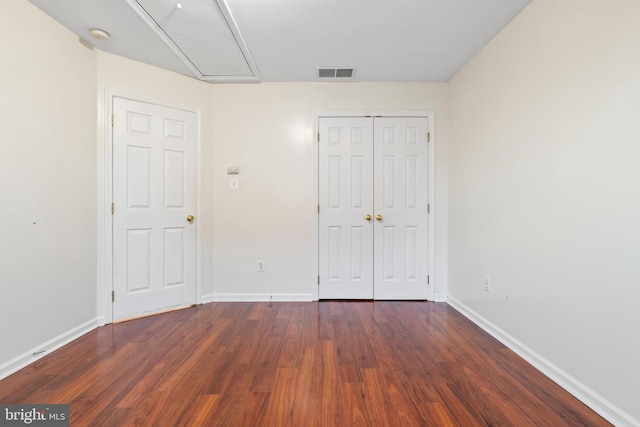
(206, 299)
(440, 297)
(45, 348)
(599, 404)
(258, 298)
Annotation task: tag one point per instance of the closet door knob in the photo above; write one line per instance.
(379, 217)
(367, 217)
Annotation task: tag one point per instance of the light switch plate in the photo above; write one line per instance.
(233, 170)
(233, 183)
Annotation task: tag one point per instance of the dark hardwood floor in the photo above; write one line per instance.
(296, 364)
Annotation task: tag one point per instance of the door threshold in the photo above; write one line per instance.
(153, 313)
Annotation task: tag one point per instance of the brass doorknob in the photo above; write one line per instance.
(379, 217)
(190, 218)
(367, 217)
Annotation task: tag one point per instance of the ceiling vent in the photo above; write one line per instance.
(336, 72)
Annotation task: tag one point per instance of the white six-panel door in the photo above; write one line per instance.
(373, 194)
(154, 173)
(400, 206)
(346, 198)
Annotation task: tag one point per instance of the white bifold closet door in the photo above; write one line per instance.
(373, 193)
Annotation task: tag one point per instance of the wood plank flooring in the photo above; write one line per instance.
(296, 364)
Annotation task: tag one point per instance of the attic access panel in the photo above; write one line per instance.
(204, 34)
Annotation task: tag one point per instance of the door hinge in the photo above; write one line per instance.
(428, 280)
(429, 208)
(428, 136)
(318, 207)
(318, 136)
(113, 120)
(113, 296)
(318, 279)
(113, 208)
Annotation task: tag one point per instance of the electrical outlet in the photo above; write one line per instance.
(487, 283)
(260, 264)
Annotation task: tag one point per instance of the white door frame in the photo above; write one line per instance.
(105, 191)
(429, 115)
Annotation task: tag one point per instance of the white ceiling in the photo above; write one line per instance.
(286, 40)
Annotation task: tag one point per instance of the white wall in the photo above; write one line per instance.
(124, 76)
(544, 194)
(47, 180)
(267, 130)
